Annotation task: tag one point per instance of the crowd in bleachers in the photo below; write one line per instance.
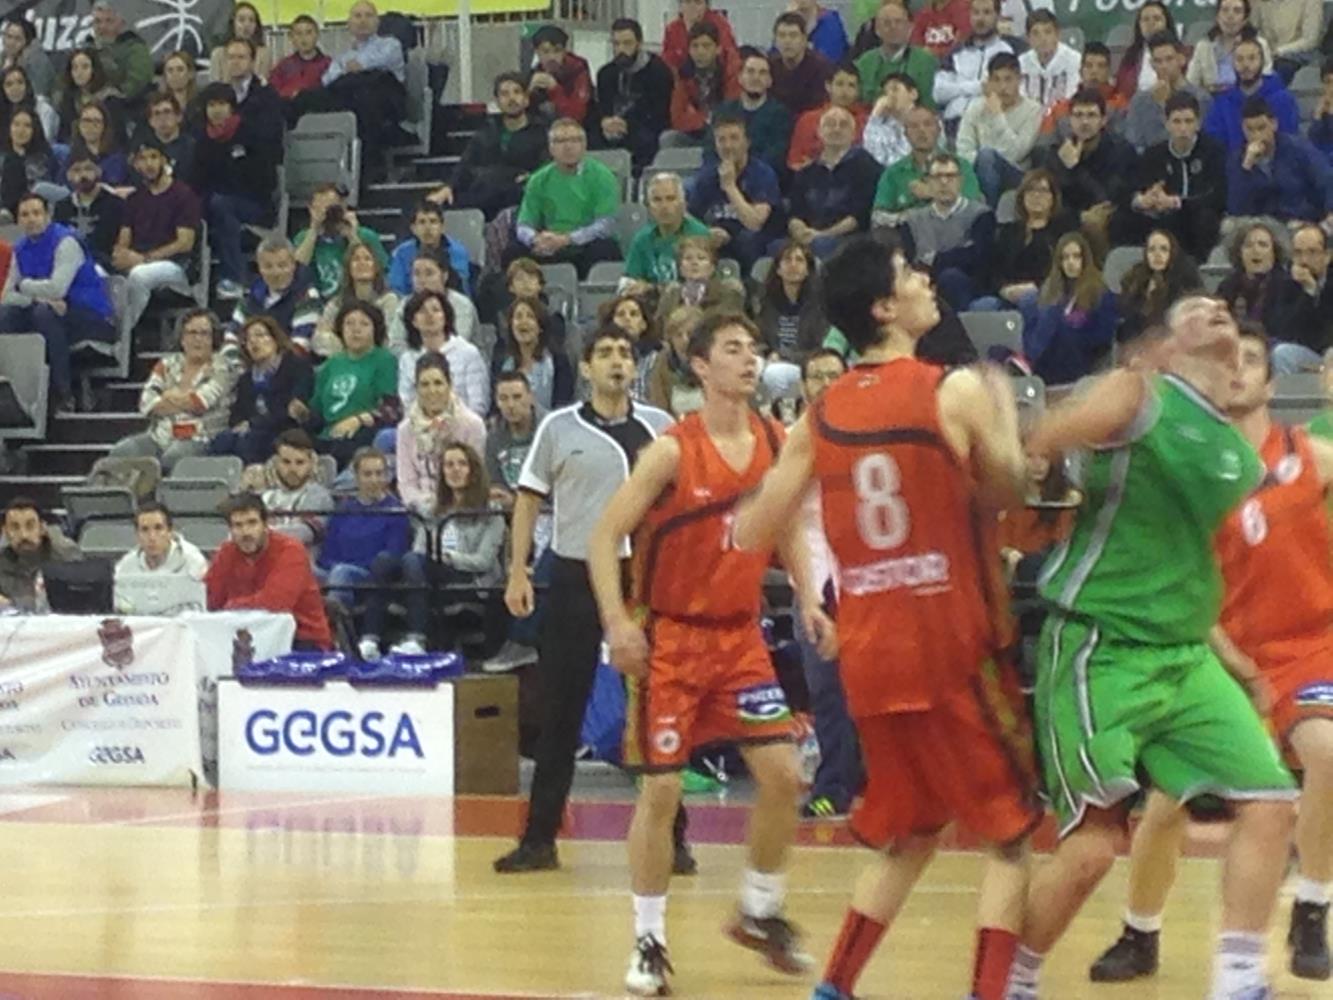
(369, 395)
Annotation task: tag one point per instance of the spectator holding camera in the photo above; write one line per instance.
(322, 246)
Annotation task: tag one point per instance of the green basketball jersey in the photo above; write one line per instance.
(1322, 425)
(1139, 563)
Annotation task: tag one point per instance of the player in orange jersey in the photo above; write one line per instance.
(698, 666)
(912, 462)
(1276, 637)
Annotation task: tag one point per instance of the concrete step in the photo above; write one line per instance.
(123, 397)
(101, 428)
(141, 365)
(435, 168)
(63, 459)
(42, 490)
(401, 196)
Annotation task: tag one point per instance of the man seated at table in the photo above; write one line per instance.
(263, 570)
(160, 549)
(30, 545)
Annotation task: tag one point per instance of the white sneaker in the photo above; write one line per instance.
(649, 969)
(369, 648)
(411, 646)
(511, 656)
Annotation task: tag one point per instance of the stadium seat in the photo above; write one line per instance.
(605, 273)
(1006, 209)
(468, 227)
(23, 365)
(420, 106)
(683, 160)
(208, 533)
(565, 278)
(1305, 387)
(621, 164)
(193, 496)
(1118, 263)
(108, 539)
(994, 329)
(83, 503)
(760, 270)
(1119, 37)
(323, 149)
(228, 468)
(113, 356)
(632, 217)
(1307, 87)
(592, 299)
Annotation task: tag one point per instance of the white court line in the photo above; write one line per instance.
(443, 991)
(232, 810)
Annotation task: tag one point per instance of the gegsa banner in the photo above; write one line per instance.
(97, 701)
(166, 25)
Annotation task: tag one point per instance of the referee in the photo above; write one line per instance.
(579, 457)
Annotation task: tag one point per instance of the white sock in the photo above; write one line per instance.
(650, 917)
(762, 893)
(1239, 965)
(1143, 924)
(1026, 970)
(1310, 891)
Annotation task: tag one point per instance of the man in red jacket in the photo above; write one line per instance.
(263, 570)
(561, 82)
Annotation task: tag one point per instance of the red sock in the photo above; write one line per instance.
(995, 956)
(856, 943)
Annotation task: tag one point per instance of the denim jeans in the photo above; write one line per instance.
(995, 175)
(228, 215)
(841, 774)
(59, 332)
(1289, 358)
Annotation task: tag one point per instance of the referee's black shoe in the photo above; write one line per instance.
(1308, 940)
(682, 861)
(1134, 956)
(528, 858)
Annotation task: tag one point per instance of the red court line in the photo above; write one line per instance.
(32, 986)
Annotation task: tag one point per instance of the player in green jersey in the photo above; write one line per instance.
(1126, 680)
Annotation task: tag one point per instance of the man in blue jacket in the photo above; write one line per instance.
(53, 288)
(1278, 175)
(1224, 117)
(428, 237)
(365, 542)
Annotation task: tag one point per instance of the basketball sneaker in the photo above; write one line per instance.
(827, 991)
(1134, 956)
(774, 938)
(649, 969)
(823, 807)
(1308, 940)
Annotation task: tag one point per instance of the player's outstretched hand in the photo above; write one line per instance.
(629, 649)
(821, 628)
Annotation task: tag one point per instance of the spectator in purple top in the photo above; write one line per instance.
(799, 72)
(158, 232)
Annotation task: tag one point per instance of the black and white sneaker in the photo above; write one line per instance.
(1134, 956)
(649, 969)
(1308, 940)
(773, 937)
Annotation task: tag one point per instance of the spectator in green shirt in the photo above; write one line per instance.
(356, 390)
(652, 252)
(322, 246)
(568, 213)
(903, 184)
(124, 56)
(893, 25)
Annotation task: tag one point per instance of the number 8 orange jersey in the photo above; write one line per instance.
(920, 603)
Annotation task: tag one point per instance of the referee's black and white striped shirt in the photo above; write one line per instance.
(578, 460)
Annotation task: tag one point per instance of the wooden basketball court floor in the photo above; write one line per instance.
(163, 895)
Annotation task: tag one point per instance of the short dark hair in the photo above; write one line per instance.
(702, 28)
(367, 453)
(748, 52)
(628, 24)
(552, 33)
(792, 20)
(293, 437)
(302, 19)
(723, 118)
(29, 29)
(857, 276)
(23, 503)
(1255, 106)
(1251, 330)
(1311, 227)
(415, 304)
(604, 332)
(512, 376)
(1182, 100)
(705, 334)
(905, 79)
(1086, 96)
(1003, 60)
(1042, 17)
(427, 207)
(240, 503)
(152, 507)
(247, 42)
(432, 360)
(367, 309)
(1096, 49)
(817, 354)
(849, 68)
(31, 196)
(162, 97)
(218, 93)
(1249, 40)
(508, 76)
(1164, 38)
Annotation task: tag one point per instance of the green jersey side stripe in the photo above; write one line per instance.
(1101, 530)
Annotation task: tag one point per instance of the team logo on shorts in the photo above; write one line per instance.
(666, 741)
(762, 703)
(1318, 695)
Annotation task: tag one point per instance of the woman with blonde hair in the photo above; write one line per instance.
(1073, 322)
(180, 79)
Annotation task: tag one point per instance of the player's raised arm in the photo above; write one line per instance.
(980, 420)
(762, 517)
(653, 473)
(1103, 414)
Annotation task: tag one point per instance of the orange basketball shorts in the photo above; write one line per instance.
(704, 685)
(967, 759)
(1301, 679)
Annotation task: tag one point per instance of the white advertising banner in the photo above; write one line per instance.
(97, 701)
(226, 640)
(336, 738)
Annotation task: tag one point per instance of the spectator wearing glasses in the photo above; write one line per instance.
(84, 82)
(95, 135)
(1307, 329)
(952, 235)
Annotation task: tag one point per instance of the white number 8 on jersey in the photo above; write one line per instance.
(1253, 524)
(882, 517)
